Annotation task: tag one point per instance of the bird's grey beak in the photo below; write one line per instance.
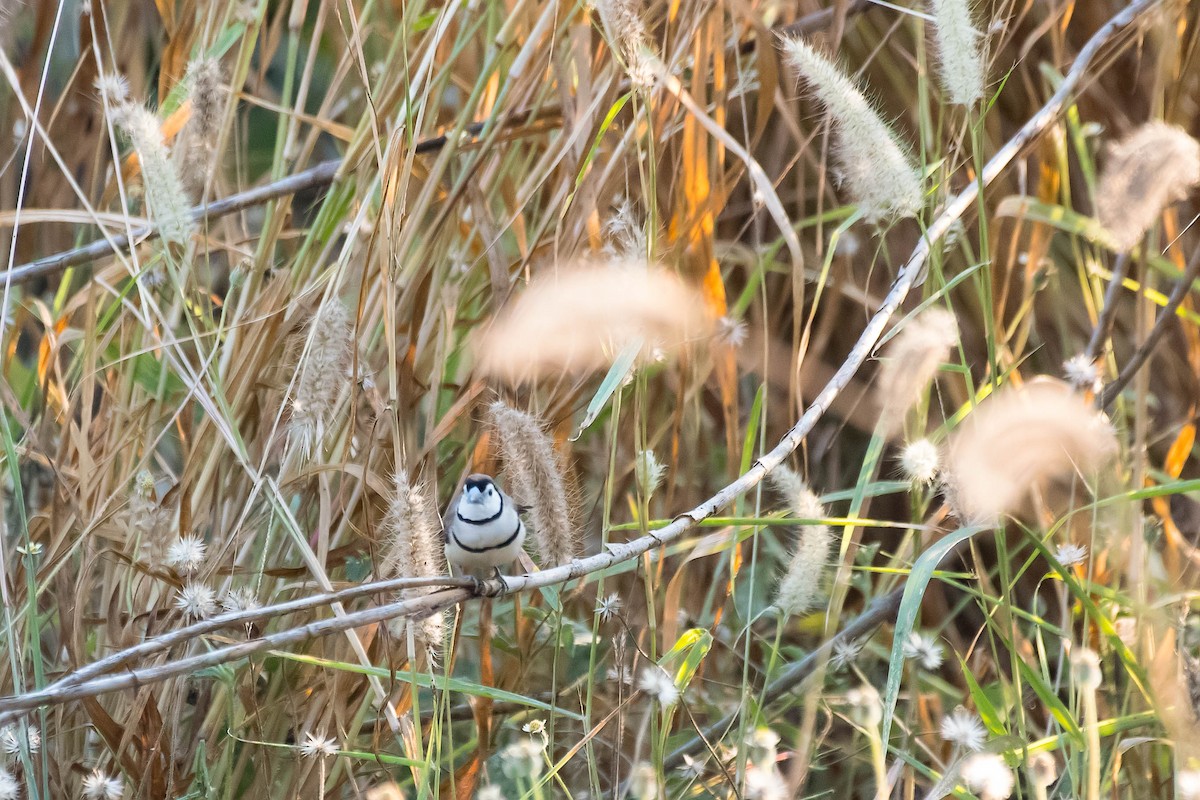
(473, 495)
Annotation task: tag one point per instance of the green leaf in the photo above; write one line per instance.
(617, 373)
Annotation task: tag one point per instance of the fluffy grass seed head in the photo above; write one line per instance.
(1082, 372)
(987, 776)
(872, 163)
(168, 204)
(186, 554)
(243, 598)
(316, 745)
(911, 361)
(919, 462)
(801, 588)
(10, 740)
(649, 472)
(197, 142)
(196, 600)
(958, 50)
(626, 30)
(1085, 669)
(1071, 554)
(113, 88)
(964, 730)
(1153, 167)
(9, 788)
(577, 319)
(522, 759)
(643, 781)
(99, 785)
(1018, 437)
(1187, 782)
(322, 371)
(923, 649)
(414, 531)
(866, 707)
(1042, 770)
(660, 686)
(535, 477)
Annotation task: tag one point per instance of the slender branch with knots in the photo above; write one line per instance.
(72, 686)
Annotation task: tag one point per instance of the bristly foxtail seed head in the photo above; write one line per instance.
(160, 179)
(535, 477)
(872, 162)
(196, 143)
(801, 588)
(414, 551)
(324, 366)
(911, 361)
(1156, 165)
(958, 49)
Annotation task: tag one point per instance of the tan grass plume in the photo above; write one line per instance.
(911, 361)
(323, 369)
(1153, 167)
(578, 320)
(414, 550)
(535, 477)
(196, 146)
(801, 588)
(1019, 438)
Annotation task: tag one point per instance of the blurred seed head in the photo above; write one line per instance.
(1042, 769)
(866, 707)
(660, 686)
(802, 587)
(196, 144)
(323, 368)
(626, 31)
(99, 785)
(964, 730)
(919, 461)
(1085, 669)
(1018, 438)
(643, 781)
(414, 531)
(911, 361)
(987, 776)
(578, 320)
(1082, 372)
(9, 788)
(958, 50)
(535, 476)
(923, 649)
(1156, 165)
(872, 163)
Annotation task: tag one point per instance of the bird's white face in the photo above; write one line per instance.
(480, 501)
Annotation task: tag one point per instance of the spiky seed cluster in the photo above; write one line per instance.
(535, 477)
(801, 590)
(197, 143)
(919, 461)
(872, 163)
(964, 729)
(626, 30)
(923, 649)
(196, 600)
(165, 197)
(958, 49)
(99, 785)
(1155, 166)
(322, 370)
(186, 554)
(316, 744)
(912, 360)
(414, 551)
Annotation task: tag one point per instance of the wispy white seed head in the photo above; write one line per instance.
(242, 598)
(958, 49)
(964, 729)
(911, 361)
(866, 707)
(186, 554)
(113, 89)
(1082, 372)
(923, 649)
(609, 607)
(801, 588)
(649, 472)
(919, 461)
(10, 740)
(196, 600)
(845, 653)
(1085, 669)
(99, 785)
(731, 331)
(987, 776)
(9, 788)
(872, 163)
(765, 783)
(626, 30)
(1156, 165)
(1043, 770)
(1071, 554)
(643, 781)
(763, 744)
(323, 372)
(165, 197)
(625, 235)
(522, 759)
(315, 744)
(659, 685)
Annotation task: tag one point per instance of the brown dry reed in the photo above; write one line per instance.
(576, 320)
(911, 362)
(1018, 438)
(1156, 165)
(535, 477)
(322, 370)
(801, 588)
(414, 550)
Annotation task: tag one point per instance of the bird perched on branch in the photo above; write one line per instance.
(483, 526)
